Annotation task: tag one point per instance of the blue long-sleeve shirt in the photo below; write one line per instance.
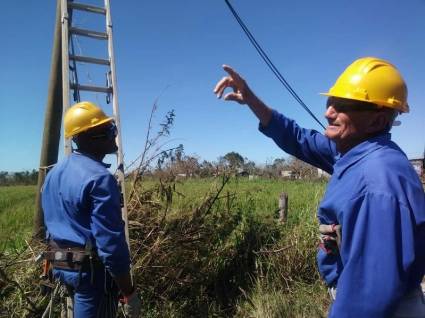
(377, 198)
(81, 202)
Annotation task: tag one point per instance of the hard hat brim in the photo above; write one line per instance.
(403, 109)
(79, 131)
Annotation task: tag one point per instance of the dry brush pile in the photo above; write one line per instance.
(195, 262)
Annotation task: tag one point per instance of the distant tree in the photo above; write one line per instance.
(279, 162)
(277, 166)
(250, 166)
(207, 169)
(234, 160)
(4, 177)
(20, 177)
(33, 176)
(190, 166)
(268, 171)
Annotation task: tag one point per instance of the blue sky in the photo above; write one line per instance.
(176, 48)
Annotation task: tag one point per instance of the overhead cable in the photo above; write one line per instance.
(270, 64)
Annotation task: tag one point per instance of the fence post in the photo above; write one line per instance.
(283, 207)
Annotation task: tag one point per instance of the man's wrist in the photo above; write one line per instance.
(251, 99)
(124, 283)
(126, 297)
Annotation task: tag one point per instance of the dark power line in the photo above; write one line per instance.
(270, 64)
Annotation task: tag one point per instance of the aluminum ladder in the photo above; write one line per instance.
(70, 76)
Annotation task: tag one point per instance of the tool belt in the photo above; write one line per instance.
(73, 258)
(330, 238)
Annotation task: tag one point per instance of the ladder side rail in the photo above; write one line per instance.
(115, 107)
(65, 67)
(74, 71)
(65, 85)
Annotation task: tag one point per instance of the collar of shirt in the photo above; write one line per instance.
(106, 165)
(358, 152)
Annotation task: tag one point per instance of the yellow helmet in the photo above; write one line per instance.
(372, 80)
(83, 116)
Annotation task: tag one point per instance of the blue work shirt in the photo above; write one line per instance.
(81, 203)
(377, 198)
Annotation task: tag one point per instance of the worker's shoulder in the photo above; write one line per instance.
(84, 168)
(387, 160)
(387, 153)
(388, 170)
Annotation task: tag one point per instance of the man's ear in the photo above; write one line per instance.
(81, 140)
(378, 122)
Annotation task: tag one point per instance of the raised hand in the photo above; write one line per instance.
(241, 92)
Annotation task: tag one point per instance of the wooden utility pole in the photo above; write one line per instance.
(52, 123)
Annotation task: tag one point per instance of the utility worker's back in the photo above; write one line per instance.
(82, 211)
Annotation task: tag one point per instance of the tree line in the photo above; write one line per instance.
(179, 164)
(182, 165)
(18, 178)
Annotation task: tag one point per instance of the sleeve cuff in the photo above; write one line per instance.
(274, 125)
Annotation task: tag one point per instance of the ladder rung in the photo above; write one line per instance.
(86, 7)
(89, 33)
(89, 88)
(88, 59)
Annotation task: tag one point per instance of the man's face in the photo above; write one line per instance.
(348, 124)
(102, 138)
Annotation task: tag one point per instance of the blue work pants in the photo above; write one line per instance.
(90, 299)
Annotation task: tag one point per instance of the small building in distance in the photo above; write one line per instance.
(418, 164)
(322, 174)
(287, 174)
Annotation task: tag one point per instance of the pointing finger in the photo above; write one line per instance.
(232, 72)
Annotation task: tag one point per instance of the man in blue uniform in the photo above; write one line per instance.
(82, 213)
(372, 217)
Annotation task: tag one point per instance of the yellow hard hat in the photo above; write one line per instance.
(83, 116)
(372, 80)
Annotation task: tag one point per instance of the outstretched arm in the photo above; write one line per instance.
(242, 94)
(307, 145)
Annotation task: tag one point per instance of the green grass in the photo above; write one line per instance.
(16, 215)
(265, 301)
(260, 196)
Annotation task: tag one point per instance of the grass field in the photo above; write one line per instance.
(258, 196)
(16, 215)
(281, 278)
